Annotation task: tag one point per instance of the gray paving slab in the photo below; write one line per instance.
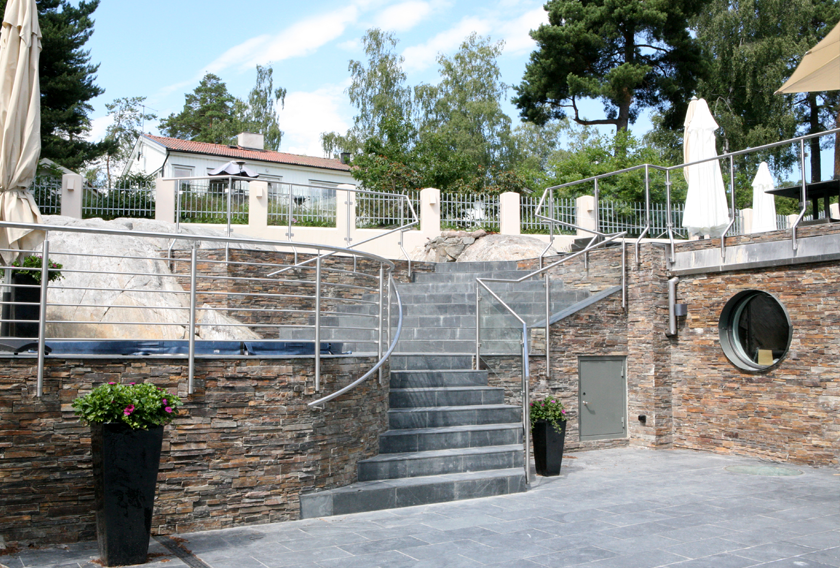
(622, 508)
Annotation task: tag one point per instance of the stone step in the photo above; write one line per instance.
(432, 346)
(456, 277)
(426, 439)
(445, 396)
(438, 333)
(442, 416)
(411, 491)
(469, 287)
(438, 361)
(486, 266)
(440, 462)
(438, 378)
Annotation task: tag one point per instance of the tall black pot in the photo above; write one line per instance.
(125, 468)
(548, 447)
(15, 310)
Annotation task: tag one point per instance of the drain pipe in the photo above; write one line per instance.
(672, 301)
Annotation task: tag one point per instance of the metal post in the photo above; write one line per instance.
(803, 203)
(229, 197)
(647, 216)
(731, 208)
(526, 398)
(477, 325)
(547, 327)
(42, 318)
(349, 204)
(191, 328)
(669, 222)
(178, 206)
(291, 209)
(318, 321)
(381, 313)
(623, 274)
(388, 315)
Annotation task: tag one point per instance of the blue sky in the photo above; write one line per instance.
(161, 49)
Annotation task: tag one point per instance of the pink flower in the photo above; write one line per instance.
(112, 383)
(164, 402)
(168, 409)
(128, 410)
(132, 383)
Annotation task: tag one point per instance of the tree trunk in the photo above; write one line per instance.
(814, 121)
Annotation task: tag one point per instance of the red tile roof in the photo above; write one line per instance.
(192, 147)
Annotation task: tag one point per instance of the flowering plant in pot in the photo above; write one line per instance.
(31, 267)
(126, 423)
(548, 432)
(22, 302)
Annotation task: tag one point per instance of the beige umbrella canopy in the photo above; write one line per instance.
(819, 70)
(20, 124)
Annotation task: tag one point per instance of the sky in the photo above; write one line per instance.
(161, 49)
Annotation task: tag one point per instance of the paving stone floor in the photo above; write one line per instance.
(619, 508)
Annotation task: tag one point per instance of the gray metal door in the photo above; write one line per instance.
(602, 404)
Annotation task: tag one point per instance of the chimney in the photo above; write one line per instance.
(345, 157)
(251, 141)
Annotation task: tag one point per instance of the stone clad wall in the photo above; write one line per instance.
(790, 412)
(243, 450)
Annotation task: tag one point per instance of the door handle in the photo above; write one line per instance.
(585, 403)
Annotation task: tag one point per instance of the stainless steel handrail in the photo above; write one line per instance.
(481, 283)
(668, 169)
(193, 241)
(375, 369)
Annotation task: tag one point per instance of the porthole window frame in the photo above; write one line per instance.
(729, 334)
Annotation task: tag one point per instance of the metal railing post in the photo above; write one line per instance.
(381, 314)
(42, 317)
(229, 198)
(647, 216)
(731, 207)
(291, 210)
(178, 207)
(477, 327)
(318, 322)
(623, 274)
(526, 408)
(669, 222)
(547, 327)
(191, 328)
(803, 203)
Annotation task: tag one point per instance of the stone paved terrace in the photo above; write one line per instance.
(616, 508)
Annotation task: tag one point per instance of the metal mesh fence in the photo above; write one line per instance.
(469, 211)
(206, 201)
(47, 194)
(563, 210)
(310, 206)
(376, 211)
(124, 200)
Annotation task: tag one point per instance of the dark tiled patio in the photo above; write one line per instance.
(621, 508)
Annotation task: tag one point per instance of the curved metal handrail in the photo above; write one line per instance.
(321, 401)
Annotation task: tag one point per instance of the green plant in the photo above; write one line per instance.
(32, 264)
(549, 409)
(140, 406)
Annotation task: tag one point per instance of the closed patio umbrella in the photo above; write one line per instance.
(20, 124)
(706, 211)
(764, 204)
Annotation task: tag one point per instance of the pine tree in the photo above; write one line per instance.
(207, 115)
(67, 82)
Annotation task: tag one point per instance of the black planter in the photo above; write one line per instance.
(548, 447)
(15, 311)
(125, 468)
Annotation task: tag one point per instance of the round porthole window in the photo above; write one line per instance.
(755, 330)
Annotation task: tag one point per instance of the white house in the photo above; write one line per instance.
(173, 158)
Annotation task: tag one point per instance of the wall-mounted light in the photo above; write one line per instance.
(71, 183)
(259, 192)
(432, 199)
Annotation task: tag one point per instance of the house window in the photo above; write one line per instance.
(182, 171)
(755, 330)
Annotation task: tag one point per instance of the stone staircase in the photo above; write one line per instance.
(450, 435)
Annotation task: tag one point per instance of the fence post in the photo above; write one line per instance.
(72, 194)
(257, 205)
(165, 200)
(746, 220)
(509, 214)
(586, 219)
(345, 213)
(430, 212)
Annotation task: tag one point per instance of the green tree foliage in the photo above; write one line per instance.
(67, 82)
(207, 115)
(128, 115)
(453, 135)
(630, 55)
(258, 113)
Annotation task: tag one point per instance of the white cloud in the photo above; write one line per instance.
(350, 45)
(307, 114)
(98, 128)
(404, 16)
(301, 38)
(420, 57)
(515, 33)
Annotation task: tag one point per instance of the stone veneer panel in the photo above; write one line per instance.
(244, 448)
